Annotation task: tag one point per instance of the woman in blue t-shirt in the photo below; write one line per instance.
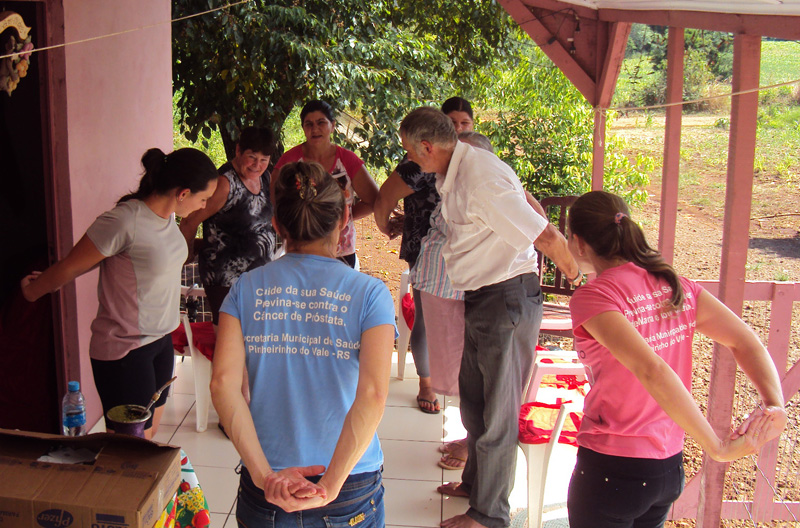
(316, 337)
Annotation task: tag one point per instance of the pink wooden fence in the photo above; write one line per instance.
(763, 507)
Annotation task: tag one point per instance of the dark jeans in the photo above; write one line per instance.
(619, 492)
(360, 503)
(501, 330)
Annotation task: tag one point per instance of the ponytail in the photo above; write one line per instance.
(603, 221)
(185, 168)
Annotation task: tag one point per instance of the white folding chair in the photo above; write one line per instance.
(537, 456)
(403, 331)
(201, 366)
(566, 364)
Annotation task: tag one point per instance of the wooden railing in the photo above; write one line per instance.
(763, 506)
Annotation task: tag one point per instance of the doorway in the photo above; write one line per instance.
(28, 358)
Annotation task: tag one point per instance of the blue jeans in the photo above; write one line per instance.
(360, 503)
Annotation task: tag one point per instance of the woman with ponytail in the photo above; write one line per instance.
(316, 337)
(140, 252)
(633, 327)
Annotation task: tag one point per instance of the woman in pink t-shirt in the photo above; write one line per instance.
(347, 169)
(633, 326)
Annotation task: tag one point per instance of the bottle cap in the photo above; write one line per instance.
(74, 386)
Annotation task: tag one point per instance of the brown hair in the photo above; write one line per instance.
(308, 202)
(185, 168)
(603, 221)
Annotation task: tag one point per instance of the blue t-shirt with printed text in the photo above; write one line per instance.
(302, 317)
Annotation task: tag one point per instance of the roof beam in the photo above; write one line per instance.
(777, 26)
(612, 62)
(550, 45)
(556, 5)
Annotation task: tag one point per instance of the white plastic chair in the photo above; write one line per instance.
(201, 366)
(404, 332)
(537, 456)
(571, 368)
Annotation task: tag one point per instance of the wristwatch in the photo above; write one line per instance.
(577, 280)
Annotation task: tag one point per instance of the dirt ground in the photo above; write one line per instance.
(774, 254)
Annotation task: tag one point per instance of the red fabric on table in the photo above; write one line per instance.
(536, 421)
(407, 306)
(561, 381)
(203, 338)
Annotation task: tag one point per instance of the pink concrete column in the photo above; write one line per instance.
(672, 145)
(735, 240)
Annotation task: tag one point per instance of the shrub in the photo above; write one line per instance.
(543, 129)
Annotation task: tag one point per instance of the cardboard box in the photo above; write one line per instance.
(127, 485)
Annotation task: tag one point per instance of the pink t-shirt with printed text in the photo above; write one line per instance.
(345, 166)
(620, 416)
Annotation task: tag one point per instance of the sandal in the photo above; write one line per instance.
(434, 404)
(451, 461)
(449, 447)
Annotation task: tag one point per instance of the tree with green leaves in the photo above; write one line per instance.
(253, 63)
(541, 125)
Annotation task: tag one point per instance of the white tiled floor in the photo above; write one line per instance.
(409, 438)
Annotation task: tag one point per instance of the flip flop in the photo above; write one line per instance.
(452, 489)
(434, 403)
(449, 446)
(460, 462)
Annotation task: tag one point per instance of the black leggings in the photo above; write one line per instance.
(134, 378)
(619, 492)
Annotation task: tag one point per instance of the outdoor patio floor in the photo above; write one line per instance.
(409, 439)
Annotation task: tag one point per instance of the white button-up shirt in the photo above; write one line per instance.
(491, 226)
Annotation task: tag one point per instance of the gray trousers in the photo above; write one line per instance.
(501, 330)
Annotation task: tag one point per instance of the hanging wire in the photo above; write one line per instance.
(774, 491)
(702, 99)
(754, 458)
(123, 32)
(744, 503)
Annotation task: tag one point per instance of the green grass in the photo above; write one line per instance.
(777, 140)
(780, 61)
(689, 178)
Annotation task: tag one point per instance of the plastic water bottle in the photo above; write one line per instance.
(73, 411)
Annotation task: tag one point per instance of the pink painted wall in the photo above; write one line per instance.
(119, 104)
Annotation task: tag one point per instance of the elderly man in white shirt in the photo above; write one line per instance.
(489, 252)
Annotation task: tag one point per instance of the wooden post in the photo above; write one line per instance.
(672, 145)
(598, 149)
(735, 241)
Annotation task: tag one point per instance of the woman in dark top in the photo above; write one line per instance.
(237, 222)
(418, 192)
